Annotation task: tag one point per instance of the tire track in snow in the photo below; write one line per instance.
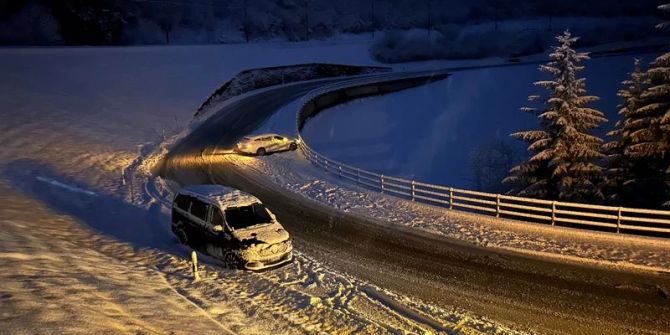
(202, 311)
(285, 292)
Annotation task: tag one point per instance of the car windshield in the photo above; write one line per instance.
(247, 216)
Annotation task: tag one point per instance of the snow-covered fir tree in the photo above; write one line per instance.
(565, 152)
(651, 141)
(625, 173)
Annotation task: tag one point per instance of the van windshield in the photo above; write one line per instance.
(247, 216)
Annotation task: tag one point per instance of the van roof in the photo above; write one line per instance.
(222, 196)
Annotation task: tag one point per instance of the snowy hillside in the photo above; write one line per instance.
(452, 124)
(84, 249)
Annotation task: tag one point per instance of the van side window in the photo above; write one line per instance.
(199, 209)
(217, 218)
(182, 201)
(279, 138)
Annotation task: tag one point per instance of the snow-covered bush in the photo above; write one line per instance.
(144, 32)
(31, 25)
(507, 38)
(490, 162)
(449, 43)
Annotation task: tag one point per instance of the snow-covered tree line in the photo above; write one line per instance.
(217, 21)
(570, 163)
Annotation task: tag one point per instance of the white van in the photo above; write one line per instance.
(230, 225)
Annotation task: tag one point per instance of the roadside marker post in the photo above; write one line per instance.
(194, 266)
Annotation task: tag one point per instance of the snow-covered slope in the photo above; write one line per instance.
(85, 247)
(434, 133)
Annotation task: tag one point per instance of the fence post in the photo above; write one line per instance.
(382, 181)
(618, 220)
(497, 205)
(413, 189)
(325, 166)
(451, 198)
(339, 170)
(553, 212)
(358, 176)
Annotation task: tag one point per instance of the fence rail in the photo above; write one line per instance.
(597, 217)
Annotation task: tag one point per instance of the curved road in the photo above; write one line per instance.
(520, 291)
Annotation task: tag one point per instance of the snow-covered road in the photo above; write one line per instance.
(527, 290)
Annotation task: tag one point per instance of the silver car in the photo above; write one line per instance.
(264, 144)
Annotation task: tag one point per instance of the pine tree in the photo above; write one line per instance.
(623, 171)
(651, 141)
(563, 165)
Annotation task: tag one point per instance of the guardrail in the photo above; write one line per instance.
(594, 217)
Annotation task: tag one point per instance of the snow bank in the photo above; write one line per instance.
(254, 79)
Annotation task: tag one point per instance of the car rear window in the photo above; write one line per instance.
(247, 216)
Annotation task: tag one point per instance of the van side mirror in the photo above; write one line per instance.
(218, 228)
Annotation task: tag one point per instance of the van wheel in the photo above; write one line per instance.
(231, 260)
(260, 152)
(293, 146)
(181, 234)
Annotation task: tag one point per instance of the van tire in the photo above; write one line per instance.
(179, 231)
(231, 260)
(293, 146)
(260, 152)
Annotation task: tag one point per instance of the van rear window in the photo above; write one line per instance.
(247, 216)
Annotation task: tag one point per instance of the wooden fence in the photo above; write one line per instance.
(596, 217)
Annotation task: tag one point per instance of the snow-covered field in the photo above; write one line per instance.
(84, 249)
(430, 133)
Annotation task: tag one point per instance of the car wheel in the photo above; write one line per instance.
(181, 234)
(260, 152)
(293, 146)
